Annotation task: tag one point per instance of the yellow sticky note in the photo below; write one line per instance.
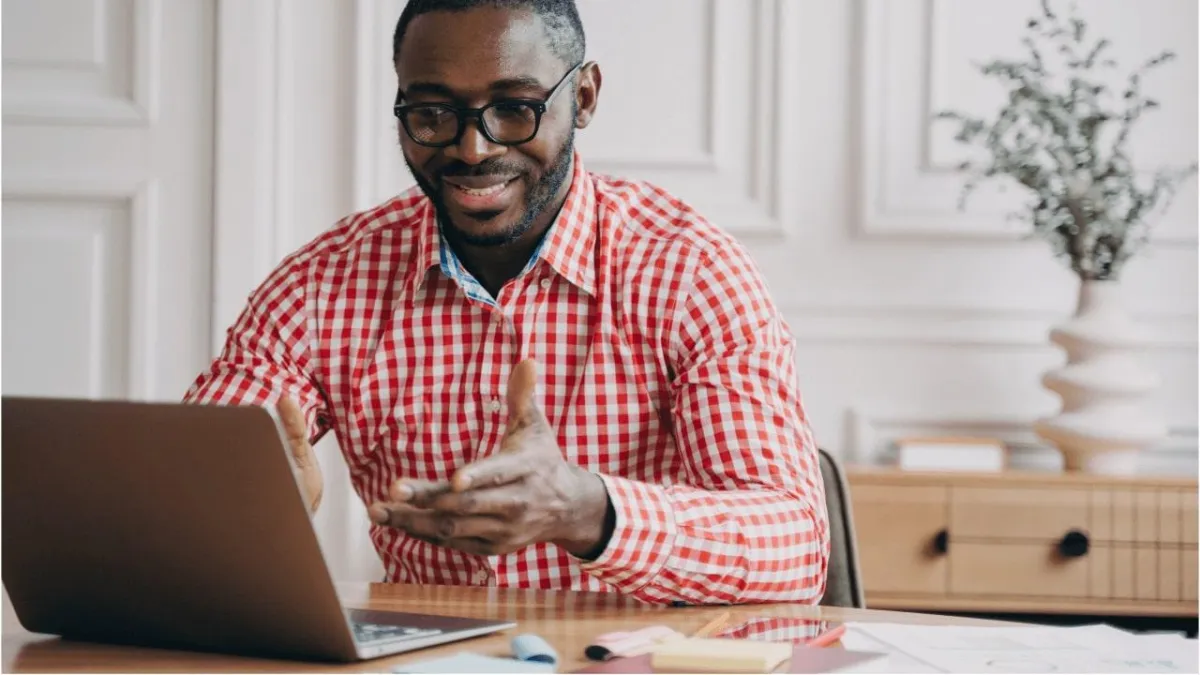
(720, 655)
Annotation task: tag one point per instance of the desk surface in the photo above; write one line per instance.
(567, 620)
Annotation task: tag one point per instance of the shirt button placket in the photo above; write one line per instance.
(493, 364)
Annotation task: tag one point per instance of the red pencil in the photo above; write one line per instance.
(828, 637)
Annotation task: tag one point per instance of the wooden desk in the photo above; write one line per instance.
(567, 620)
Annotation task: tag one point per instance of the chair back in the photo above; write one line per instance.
(843, 586)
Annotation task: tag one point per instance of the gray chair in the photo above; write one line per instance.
(843, 587)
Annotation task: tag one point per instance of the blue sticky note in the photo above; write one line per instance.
(469, 662)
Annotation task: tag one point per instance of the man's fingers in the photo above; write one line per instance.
(483, 528)
(501, 468)
(417, 521)
(506, 502)
(417, 492)
(521, 385)
(436, 526)
(295, 427)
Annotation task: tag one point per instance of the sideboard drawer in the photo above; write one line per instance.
(1016, 513)
(902, 524)
(1027, 542)
(1016, 569)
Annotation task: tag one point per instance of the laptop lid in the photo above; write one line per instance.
(165, 525)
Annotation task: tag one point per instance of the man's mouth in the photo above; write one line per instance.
(480, 193)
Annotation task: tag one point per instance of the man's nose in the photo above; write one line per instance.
(473, 147)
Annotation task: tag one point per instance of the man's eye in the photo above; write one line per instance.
(429, 115)
(512, 110)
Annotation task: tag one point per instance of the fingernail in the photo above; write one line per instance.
(462, 482)
(379, 514)
(402, 492)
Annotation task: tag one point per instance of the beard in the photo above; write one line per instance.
(538, 195)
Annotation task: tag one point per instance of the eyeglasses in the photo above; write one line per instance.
(507, 122)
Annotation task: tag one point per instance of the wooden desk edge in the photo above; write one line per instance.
(567, 620)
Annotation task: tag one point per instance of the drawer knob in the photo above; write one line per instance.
(941, 541)
(1074, 544)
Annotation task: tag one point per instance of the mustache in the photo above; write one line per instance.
(491, 167)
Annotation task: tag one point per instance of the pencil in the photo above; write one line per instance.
(712, 627)
(829, 638)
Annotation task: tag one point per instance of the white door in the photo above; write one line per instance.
(107, 197)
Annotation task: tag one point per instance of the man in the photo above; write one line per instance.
(539, 377)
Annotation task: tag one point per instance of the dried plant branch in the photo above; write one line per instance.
(1087, 200)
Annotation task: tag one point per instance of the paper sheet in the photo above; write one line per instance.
(1033, 649)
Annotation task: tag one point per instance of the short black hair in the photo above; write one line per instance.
(564, 28)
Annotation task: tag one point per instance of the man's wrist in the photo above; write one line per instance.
(591, 530)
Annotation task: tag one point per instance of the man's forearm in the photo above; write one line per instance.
(706, 547)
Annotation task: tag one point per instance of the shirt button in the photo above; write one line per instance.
(546, 282)
(498, 319)
(493, 406)
(481, 577)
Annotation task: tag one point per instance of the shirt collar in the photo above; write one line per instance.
(429, 239)
(568, 246)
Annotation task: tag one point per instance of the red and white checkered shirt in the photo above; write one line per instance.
(665, 369)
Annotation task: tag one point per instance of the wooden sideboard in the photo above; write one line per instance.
(1029, 543)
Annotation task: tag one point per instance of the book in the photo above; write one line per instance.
(950, 454)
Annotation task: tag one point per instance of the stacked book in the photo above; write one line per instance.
(950, 454)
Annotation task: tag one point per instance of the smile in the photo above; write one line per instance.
(483, 192)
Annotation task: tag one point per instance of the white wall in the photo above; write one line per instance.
(798, 125)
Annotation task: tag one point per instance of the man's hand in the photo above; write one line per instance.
(304, 461)
(524, 494)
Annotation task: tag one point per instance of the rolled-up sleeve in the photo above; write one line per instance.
(267, 355)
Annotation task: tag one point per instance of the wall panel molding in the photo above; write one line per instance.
(963, 327)
(252, 149)
(141, 199)
(136, 107)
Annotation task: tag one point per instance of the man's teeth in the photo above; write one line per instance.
(483, 192)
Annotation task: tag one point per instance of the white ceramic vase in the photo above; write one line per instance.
(1105, 420)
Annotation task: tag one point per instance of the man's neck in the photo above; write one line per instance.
(495, 266)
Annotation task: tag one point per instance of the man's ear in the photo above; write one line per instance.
(587, 94)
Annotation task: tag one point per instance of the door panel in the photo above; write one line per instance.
(107, 198)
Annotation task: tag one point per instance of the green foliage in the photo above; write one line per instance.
(1062, 135)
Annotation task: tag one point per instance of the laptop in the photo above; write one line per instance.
(178, 526)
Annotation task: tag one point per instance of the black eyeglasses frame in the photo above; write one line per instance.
(464, 115)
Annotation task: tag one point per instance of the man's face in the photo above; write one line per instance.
(488, 194)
